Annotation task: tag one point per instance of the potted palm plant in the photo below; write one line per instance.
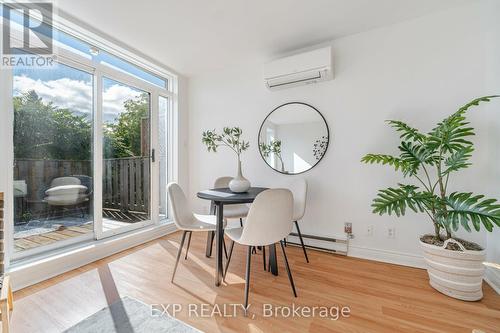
(455, 266)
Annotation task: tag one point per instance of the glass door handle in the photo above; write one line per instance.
(152, 155)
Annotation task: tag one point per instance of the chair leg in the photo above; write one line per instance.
(225, 249)
(189, 243)
(179, 252)
(6, 303)
(49, 214)
(228, 259)
(4, 307)
(247, 276)
(10, 298)
(290, 278)
(241, 222)
(269, 261)
(284, 241)
(264, 256)
(301, 241)
(210, 243)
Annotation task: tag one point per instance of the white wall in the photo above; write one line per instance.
(419, 71)
(491, 21)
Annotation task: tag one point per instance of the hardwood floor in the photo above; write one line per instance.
(381, 297)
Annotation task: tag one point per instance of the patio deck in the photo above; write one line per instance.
(47, 238)
(67, 232)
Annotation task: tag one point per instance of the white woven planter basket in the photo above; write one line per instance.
(458, 274)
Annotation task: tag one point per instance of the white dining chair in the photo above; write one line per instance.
(267, 223)
(185, 220)
(232, 211)
(237, 211)
(299, 191)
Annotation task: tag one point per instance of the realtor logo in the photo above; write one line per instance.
(36, 36)
(27, 35)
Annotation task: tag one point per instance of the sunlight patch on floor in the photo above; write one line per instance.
(252, 328)
(232, 278)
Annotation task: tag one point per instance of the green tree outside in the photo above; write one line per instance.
(44, 131)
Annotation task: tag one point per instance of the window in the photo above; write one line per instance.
(52, 155)
(85, 134)
(97, 56)
(126, 165)
(77, 46)
(74, 45)
(270, 135)
(163, 125)
(114, 62)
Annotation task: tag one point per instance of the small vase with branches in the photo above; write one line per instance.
(231, 137)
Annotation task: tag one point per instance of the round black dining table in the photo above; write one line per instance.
(224, 196)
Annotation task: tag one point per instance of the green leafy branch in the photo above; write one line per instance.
(274, 147)
(230, 137)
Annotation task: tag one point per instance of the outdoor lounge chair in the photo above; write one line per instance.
(66, 192)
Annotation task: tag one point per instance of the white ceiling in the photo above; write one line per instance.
(197, 36)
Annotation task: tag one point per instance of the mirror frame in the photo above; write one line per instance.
(327, 133)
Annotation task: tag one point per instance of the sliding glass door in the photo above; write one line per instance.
(85, 164)
(126, 157)
(53, 174)
(91, 148)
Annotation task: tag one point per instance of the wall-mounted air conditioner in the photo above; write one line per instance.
(305, 68)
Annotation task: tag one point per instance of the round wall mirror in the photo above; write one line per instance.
(293, 138)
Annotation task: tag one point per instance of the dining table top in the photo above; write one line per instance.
(226, 196)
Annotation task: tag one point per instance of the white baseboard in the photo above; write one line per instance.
(492, 277)
(29, 273)
(392, 257)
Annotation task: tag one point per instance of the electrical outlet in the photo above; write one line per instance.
(391, 232)
(369, 230)
(348, 228)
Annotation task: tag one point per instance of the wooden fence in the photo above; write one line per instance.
(126, 184)
(125, 180)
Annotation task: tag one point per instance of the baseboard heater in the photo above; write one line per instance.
(337, 245)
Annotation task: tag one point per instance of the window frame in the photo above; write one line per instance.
(98, 158)
(169, 144)
(99, 71)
